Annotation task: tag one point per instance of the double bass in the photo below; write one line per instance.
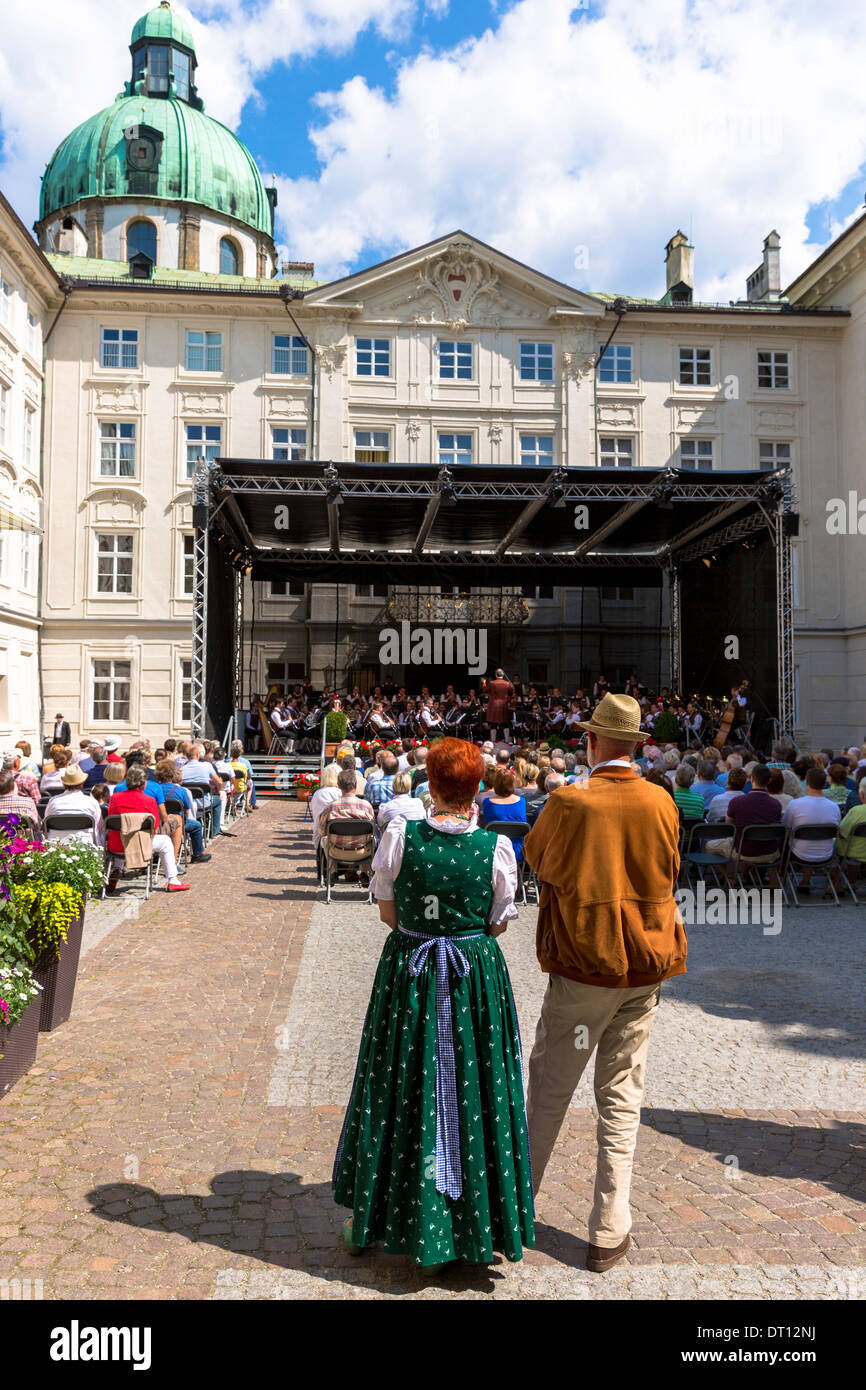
(727, 719)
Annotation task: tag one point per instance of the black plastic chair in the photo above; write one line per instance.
(687, 825)
(694, 853)
(858, 833)
(199, 791)
(111, 857)
(175, 807)
(757, 841)
(514, 830)
(344, 828)
(69, 820)
(815, 834)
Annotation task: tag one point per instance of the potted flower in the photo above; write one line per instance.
(52, 885)
(19, 997)
(336, 725)
(306, 784)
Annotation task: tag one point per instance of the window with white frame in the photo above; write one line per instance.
(204, 351)
(453, 448)
(616, 451)
(287, 588)
(114, 554)
(110, 690)
(5, 299)
(288, 444)
(116, 449)
(697, 454)
(185, 691)
(536, 362)
(118, 347)
(29, 418)
(202, 441)
(28, 552)
(289, 355)
(32, 332)
(281, 673)
(372, 356)
(371, 591)
(616, 364)
(455, 360)
(4, 415)
(372, 446)
(695, 366)
(774, 371)
(774, 453)
(537, 449)
(188, 566)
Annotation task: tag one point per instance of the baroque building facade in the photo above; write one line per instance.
(180, 337)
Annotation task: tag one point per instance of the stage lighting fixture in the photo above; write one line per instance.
(707, 562)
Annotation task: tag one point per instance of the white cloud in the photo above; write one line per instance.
(602, 128)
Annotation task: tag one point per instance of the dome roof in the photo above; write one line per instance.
(202, 161)
(163, 22)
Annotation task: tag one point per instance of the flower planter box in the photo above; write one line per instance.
(303, 795)
(57, 976)
(18, 1045)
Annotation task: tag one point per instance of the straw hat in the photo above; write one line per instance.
(617, 717)
(72, 776)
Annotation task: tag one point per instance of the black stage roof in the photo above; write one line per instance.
(506, 524)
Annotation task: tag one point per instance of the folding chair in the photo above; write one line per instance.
(757, 841)
(173, 807)
(816, 834)
(68, 821)
(340, 830)
(695, 854)
(199, 791)
(687, 825)
(111, 858)
(858, 833)
(514, 830)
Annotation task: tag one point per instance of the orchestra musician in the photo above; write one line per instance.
(380, 722)
(282, 722)
(429, 719)
(556, 718)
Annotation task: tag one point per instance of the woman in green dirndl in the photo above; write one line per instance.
(434, 1159)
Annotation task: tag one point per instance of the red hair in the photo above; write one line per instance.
(455, 769)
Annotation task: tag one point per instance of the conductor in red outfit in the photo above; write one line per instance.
(499, 692)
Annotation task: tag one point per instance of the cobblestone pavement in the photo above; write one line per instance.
(175, 1138)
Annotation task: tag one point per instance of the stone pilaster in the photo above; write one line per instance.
(190, 227)
(95, 244)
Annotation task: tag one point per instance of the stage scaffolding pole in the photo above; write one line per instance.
(201, 518)
(784, 622)
(238, 649)
(675, 629)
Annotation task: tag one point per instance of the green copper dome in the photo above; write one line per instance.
(163, 22)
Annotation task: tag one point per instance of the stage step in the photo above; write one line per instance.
(275, 776)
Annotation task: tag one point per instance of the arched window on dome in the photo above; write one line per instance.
(141, 236)
(230, 257)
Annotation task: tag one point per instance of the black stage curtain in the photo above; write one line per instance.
(219, 652)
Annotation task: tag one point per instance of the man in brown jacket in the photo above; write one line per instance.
(606, 854)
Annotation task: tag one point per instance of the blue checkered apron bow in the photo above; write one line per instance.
(449, 1173)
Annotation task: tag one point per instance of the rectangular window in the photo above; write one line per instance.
(697, 454)
(373, 356)
(186, 692)
(616, 363)
(110, 691)
(774, 453)
(616, 451)
(287, 588)
(371, 591)
(116, 450)
(157, 67)
(774, 371)
(290, 356)
(372, 446)
(4, 414)
(204, 351)
(180, 69)
(32, 332)
(118, 347)
(455, 361)
(537, 672)
(618, 595)
(288, 444)
(202, 441)
(114, 564)
(281, 673)
(29, 417)
(454, 448)
(537, 591)
(188, 566)
(5, 300)
(695, 366)
(537, 449)
(536, 361)
(28, 561)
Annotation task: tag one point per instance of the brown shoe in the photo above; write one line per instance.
(602, 1257)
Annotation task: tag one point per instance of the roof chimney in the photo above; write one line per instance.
(680, 270)
(765, 283)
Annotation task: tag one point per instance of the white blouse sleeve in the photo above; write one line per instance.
(503, 908)
(388, 860)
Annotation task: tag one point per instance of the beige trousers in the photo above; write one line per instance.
(575, 1020)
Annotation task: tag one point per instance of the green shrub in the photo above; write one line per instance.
(666, 728)
(336, 725)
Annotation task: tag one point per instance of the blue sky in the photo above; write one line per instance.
(576, 138)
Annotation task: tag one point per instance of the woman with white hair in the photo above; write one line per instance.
(326, 792)
(403, 803)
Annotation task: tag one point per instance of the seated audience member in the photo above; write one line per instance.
(848, 845)
(659, 777)
(776, 786)
(551, 783)
(12, 803)
(755, 807)
(402, 802)
(169, 825)
(243, 769)
(837, 789)
(173, 790)
(96, 772)
(201, 773)
(82, 755)
(407, 745)
(114, 773)
(382, 789)
(420, 781)
(326, 792)
(50, 783)
(112, 746)
(812, 808)
(133, 799)
(718, 807)
(74, 800)
(505, 805)
(28, 762)
(854, 797)
(351, 807)
(704, 784)
(25, 783)
(689, 802)
(374, 772)
(529, 788)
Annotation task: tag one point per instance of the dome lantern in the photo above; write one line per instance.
(163, 56)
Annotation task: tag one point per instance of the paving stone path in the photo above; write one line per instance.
(175, 1139)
